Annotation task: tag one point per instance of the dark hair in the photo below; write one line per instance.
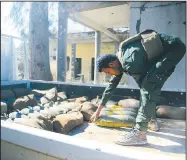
(103, 60)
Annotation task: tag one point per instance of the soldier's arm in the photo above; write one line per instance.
(114, 81)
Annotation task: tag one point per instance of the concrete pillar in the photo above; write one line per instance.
(26, 70)
(14, 61)
(116, 47)
(73, 57)
(62, 42)
(97, 53)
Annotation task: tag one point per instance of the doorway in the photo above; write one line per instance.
(92, 68)
(78, 64)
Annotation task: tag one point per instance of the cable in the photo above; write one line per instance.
(162, 5)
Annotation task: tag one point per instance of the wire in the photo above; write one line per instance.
(162, 5)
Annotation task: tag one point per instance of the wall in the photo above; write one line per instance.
(21, 153)
(85, 51)
(164, 17)
(21, 142)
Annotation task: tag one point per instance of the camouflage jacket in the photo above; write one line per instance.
(137, 69)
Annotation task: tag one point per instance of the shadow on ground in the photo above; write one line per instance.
(176, 136)
(168, 140)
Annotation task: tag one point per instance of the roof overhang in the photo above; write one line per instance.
(89, 37)
(100, 16)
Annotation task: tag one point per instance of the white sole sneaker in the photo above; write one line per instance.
(137, 143)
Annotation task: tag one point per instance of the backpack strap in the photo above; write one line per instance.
(150, 40)
(124, 43)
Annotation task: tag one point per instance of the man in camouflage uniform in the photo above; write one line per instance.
(149, 73)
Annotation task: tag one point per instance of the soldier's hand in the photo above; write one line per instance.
(96, 114)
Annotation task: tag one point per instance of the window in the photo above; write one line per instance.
(78, 64)
(92, 68)
(68, 63)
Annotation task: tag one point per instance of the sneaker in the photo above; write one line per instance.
(153, 125)
(134, 137)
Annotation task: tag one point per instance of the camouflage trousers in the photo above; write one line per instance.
(154, 80)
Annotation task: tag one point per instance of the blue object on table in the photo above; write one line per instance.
(38, 97)
(18, 115)
(31, 110)
(41, 107)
